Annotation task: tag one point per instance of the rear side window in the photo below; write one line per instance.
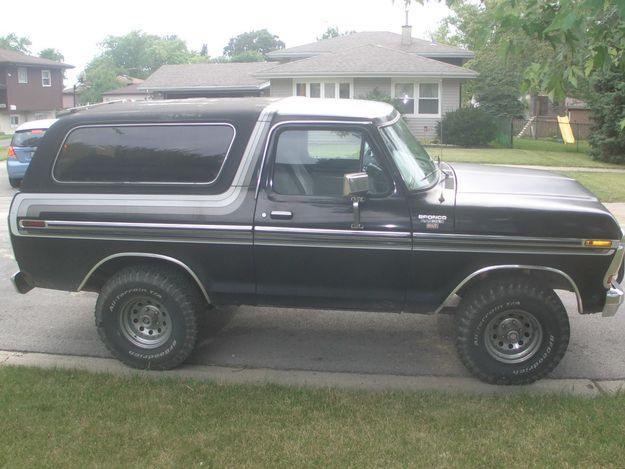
(27, 138)
(179, 154)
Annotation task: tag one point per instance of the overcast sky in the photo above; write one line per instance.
(76, 27)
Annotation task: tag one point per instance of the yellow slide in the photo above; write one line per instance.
(565, 129)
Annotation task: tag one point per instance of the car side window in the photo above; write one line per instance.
(313, 162)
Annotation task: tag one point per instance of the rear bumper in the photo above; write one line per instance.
(16, 169)
(614, 298)
(21, 283)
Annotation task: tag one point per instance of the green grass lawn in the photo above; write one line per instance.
(74, 419)
(518, 156)
(609, 187)
(550, 145)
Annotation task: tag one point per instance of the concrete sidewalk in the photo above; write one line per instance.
(618, 210)
(314, 379)
(562, 168)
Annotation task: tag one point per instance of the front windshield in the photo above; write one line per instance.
(415, 165)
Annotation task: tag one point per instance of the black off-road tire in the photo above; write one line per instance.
(170, 291)
(485, 304)
(15, 183)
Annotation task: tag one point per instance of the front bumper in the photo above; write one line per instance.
(614, 298)
(21, 283)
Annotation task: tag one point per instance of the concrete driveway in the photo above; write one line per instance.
(380, 343)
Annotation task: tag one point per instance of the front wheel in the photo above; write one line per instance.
(148, 317)
(511, 331)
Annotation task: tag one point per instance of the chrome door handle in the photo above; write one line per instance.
(281, 214)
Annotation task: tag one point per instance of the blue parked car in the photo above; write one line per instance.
(23, 146)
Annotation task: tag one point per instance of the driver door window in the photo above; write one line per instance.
(313, 162)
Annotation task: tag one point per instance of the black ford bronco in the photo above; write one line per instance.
(170, 209)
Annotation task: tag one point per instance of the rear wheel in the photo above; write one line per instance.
(15, 183)
(511, 331)
(148, 317)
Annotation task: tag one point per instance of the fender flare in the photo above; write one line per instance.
(149, 256)
(567, 277)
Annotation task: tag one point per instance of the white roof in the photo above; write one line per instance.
(344, 108)
(40, 124)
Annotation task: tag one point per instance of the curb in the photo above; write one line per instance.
(314, 379)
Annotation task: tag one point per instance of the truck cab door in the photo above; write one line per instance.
(308, 249)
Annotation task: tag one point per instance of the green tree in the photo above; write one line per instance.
(586, 37)
(607, 104)
(135, 54)
(13, 42)
(99, 76)
(51, 54)
(139, 54)
(333, 31)
(502, 70)
(261, 41)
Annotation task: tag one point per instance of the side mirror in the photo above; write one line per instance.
(355, 184)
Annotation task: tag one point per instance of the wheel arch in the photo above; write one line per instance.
(100, 272)
(555, 278)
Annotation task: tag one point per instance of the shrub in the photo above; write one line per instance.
(377, 95)
(607, 103)
(467, 127)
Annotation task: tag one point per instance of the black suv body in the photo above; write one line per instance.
(169, 209)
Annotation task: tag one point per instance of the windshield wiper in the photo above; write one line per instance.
(436, 168)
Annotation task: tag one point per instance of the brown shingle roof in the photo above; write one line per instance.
(13, 57)
(130, 89)
(367, 60)
(382, 38)
(207, 76)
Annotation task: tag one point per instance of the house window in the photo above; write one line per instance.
(22, 75)
(404, 96)
(300, 89)
(428, 98)
(46, 78)
(15, 120)
(328, 89)
(345, 90)
(417, 98)
(315, 90)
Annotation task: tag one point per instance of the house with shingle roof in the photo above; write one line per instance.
(207, 80)
(31, 88)
(423, 78)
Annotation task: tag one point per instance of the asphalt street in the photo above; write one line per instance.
(247, 337)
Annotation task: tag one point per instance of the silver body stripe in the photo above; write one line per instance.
(310, 237)
(33, 204)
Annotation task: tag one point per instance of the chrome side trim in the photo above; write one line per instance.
(279, 124)
(287, 229)
(450, 297)
(143, 183)
(328, 238)
(504, 244)
(104, 224)
(128, 231)
(146, 255)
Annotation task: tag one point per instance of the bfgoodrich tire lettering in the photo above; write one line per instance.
(160, 299)
(532, 312)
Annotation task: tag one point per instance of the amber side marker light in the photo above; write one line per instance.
(598, 243)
